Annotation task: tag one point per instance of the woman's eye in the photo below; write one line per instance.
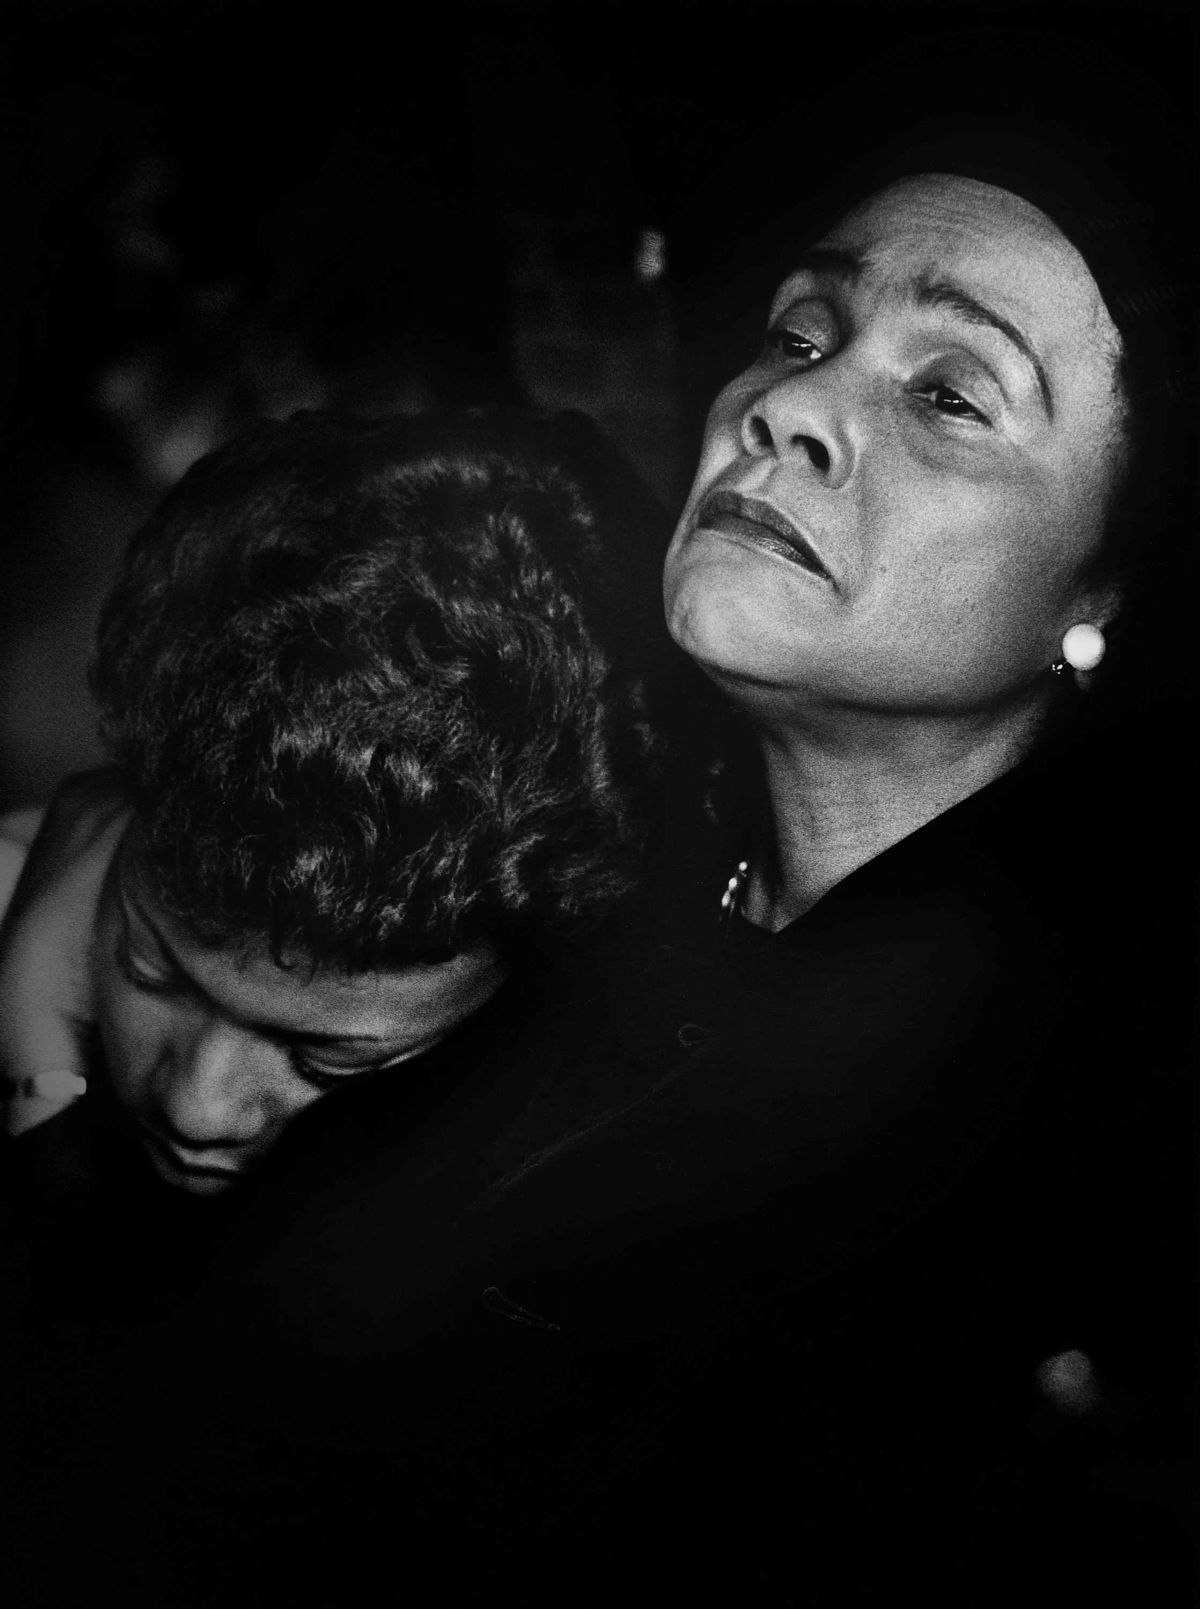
(793, 346)
(951, 403)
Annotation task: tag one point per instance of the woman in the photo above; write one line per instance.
(738, 1278)
(889, 542)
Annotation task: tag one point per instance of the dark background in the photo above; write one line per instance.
(216, 209)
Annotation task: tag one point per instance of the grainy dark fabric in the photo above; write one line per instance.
(728, 1279)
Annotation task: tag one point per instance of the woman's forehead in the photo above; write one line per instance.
(939, 212)
(940, 224)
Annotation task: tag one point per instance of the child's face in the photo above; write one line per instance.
(213, 1052)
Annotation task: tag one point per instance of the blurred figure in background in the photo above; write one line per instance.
(219, 243)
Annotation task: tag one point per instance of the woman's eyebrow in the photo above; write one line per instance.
(943, 293)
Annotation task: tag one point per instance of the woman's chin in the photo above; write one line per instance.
(733, 642)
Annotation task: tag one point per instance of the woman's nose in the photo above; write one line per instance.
(799, 418)
(210, 1086)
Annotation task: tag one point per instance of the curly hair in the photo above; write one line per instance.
(378, 689)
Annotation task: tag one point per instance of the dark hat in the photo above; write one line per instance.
(1114, 174)
(1098, 138)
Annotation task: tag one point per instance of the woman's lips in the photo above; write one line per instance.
(729, 513)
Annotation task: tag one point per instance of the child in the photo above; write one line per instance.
(372, 695)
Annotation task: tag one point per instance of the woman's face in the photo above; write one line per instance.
(896, 501)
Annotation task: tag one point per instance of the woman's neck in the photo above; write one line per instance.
(841, 792)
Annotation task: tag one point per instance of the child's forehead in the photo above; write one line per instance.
(245, 982)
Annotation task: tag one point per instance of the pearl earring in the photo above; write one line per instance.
(1083, 647)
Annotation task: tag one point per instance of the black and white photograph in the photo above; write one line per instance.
(599, 678)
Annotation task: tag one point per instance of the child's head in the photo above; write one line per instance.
(371, 689)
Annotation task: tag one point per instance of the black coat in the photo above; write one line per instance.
(729, 1274)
